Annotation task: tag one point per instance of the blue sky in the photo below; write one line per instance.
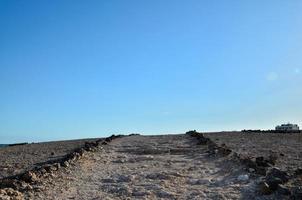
(77, 69)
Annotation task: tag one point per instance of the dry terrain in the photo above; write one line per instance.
(287, 147)
(155, 167)
(17, 159)
(150, 167)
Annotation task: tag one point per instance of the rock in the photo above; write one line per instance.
(275, 177)
(120, 190)
(42, 171)
(248, 162)
(10, 194)
(29, 177)
(272, 159)
(140, 192)
(47, 168)
(298, 171)
(38, 188)
(65, 164)
(261, 162)
(50, 168)
(224, 151)
(283, 190)
(261, 171)
(243, 177)
(165, 195)
(200, 137)
(264, 188)
(296, 193)
(124, 178)
(108, 180)
(198, 181)
(251, 170)
(9, 183)
(24, 186)
(277, 173)
(160, 176)
(57, 165)
(273, 183)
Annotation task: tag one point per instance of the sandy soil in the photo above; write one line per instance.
(287, 147)
(17, 159)
(149, 167)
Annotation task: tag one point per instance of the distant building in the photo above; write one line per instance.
(287, 127)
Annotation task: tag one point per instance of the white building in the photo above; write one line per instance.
(287, 127)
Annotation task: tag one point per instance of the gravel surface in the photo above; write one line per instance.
(17, 159)
(286, 146)
(150, 167)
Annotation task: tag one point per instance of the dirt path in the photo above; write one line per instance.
(149, 167)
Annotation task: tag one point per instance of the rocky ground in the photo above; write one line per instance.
(173, 167)
(150, 167)
(286, 147)
(17, 159)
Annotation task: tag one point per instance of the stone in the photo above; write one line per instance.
(65, 164)
(283, 190)
(10, 194)
(251, 170)
(261, 162)
(51, 167)
(160, 176)
(224, 151)
(47, 168)
(10, 183)
(274, 182)
(298, 171)
(272, 159)
(80, 152)
(248, 162)
(140, 192)
(42, 171)
(25, 186)
(198, 182)
(29, 177)
(296, 193)
(261, 171)
(165, 194)
(57, 165)
(120, 190)
(277, 173)
(264, 188)
(243, 177)
(124, 178)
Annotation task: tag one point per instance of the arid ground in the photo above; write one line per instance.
(17, 159)
(287, 147)
(162, 167)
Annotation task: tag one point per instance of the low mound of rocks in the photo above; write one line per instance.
(13, 186)
(10, 194)
(273, 179)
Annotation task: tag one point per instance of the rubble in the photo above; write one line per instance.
(11, 187)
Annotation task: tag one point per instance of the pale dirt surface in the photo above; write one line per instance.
(286, 146)
(17, 159)
(149, 167)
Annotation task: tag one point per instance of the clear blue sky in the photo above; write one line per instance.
(76, 69)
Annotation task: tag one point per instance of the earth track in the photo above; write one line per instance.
(149, 167)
